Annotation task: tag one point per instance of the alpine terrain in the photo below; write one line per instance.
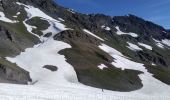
(48, 52)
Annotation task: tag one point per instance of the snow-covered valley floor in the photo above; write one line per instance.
(73, 92)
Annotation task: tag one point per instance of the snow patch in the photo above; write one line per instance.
(102, 66)
(87, 31)
(166, 42)
(5, 19)
(133, 47)
(61, 19)
(15, 16)
(18, 13)
(145, 45)
(164, 31)
(30, 28)
(119, 32)
(110, 50)
(153, 64)
(105, 27)
(159, 43)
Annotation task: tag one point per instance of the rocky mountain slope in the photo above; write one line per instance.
(56, 49)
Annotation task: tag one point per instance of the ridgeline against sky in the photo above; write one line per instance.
(153, 10)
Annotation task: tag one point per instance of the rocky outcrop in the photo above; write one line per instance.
(145, 29)
(70, 36)
(12, 43)
(11, 73)
(51, 67)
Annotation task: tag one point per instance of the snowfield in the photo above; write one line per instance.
(55, 89)
(33, 60)
(46, 53)
(63, 83)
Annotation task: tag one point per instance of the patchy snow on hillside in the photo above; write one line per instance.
(53, 86)
(164, 31)
(153, 64)
(145, 46)
(166, 42)
(46, 53)
(34, 59)
(18, 13)
(61, 19)
(110, 50)
(102, 66)
(134, 47)
(162, 43)
(5, 19)
(105, 28)
(36, 12)
(30, 28)
(159, 43)
(119, 32)
(52, 28)
(151, 86)
(92, 34)
(15, 16)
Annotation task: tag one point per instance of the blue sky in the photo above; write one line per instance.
(157, 11)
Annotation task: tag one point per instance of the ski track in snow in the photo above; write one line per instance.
(63, 84)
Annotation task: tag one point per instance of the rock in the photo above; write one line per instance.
(11, 73)
(47, 35)
(51, 67)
